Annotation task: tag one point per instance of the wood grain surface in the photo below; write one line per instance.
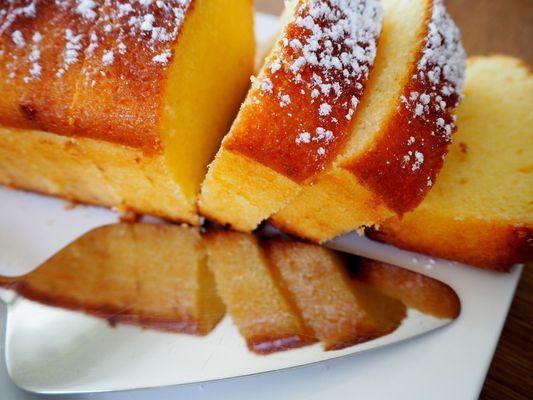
(506, 27)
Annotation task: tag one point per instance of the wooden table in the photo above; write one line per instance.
(496, 26)
(510, 376)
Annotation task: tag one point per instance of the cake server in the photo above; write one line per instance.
(51, 350)
(55, 351)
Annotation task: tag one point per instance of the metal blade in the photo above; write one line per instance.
(51, 350)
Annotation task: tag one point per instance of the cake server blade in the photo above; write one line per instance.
(55, 351)
(51, 350)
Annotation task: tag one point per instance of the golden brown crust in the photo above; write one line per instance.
(122, 102)
(287, 99)
(111, 84)
(485, 244)
(49, 96)
(20, 97)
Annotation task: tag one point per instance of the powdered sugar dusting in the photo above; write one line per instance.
(146, 28)
(18, 39)
(443, 57)
(326, 52)
(86, 8)
(108, 57)
(304, 137)
(441, 71)
(151, 26)
(13, 11)
(162, 58)
(34, 58)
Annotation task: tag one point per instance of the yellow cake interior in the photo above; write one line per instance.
(488, 173)
(199, 103)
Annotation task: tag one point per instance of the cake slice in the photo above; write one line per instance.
(480, 212)
(339, 312)
(263, 313)
(144, 91)
(155, 276)
(401, 132)
(414, 290)
(299, 113)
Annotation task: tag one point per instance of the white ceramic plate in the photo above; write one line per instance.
(449, 363)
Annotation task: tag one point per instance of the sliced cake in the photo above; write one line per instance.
(339, 312)
(142, 93)
(154, 276)
(414, 290)
(480, 211)
(401, 130)
(299, 113)
(263, 313)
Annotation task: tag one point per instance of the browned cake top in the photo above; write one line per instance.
(300, 109)
(113, 53)
(415, 140)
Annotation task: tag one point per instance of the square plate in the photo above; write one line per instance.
(449, 363)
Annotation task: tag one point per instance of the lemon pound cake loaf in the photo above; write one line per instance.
(480, 211)
(299, 112)
(339, 312)
(155, 276)
(401, 133)
(263, 313)
(120, 103)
